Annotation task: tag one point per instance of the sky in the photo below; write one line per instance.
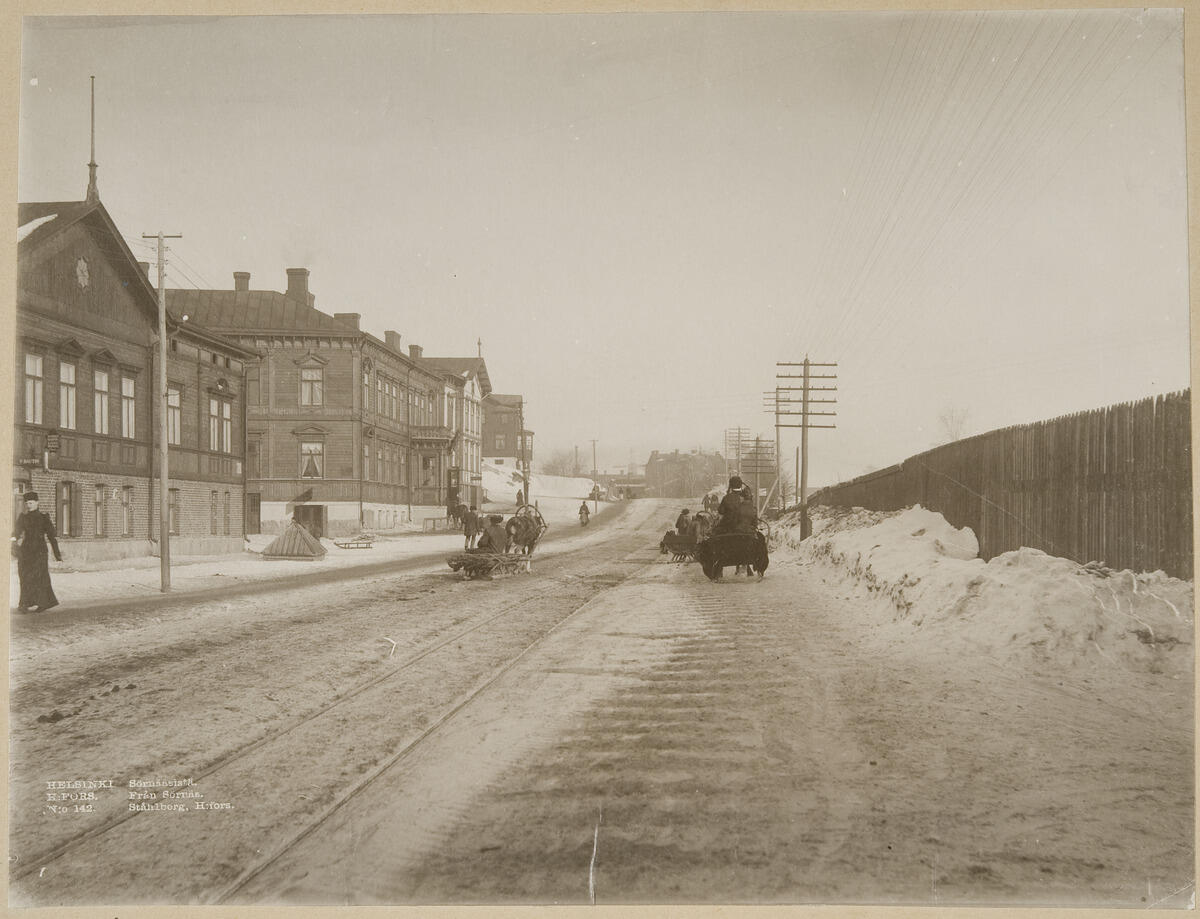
(638, 215)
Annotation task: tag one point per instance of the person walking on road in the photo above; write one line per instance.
(584, 514)
(30, 533)
(471, 527)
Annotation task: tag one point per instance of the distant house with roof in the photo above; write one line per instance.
(87, 416)
(506, 440)
(345, 431)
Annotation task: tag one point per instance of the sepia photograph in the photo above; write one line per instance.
(612, 458)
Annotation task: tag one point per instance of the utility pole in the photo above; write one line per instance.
(164, 505)
(521, 441)
(806, 389)
(595, 499)
(733, 445)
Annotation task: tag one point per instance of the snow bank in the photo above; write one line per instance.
(501, 484)
(927, 578)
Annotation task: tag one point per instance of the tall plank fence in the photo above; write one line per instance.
(1111, 485)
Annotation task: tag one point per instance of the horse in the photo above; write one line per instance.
(523, 530)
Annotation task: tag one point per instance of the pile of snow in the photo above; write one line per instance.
(927, 578)
(502, 482)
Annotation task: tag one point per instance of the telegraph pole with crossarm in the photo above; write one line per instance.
(806, 414)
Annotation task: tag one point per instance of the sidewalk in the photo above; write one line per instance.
(81, 585)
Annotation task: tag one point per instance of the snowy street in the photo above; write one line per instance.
(613, 727)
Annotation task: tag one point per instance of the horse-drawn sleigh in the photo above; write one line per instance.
(505, 555)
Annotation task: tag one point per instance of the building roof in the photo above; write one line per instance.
(506, 400)
(39, 221)
(259, 310)
(464, 367)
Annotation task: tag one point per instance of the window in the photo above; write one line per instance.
(312, 386)
(253, 462)
(128, 406)
(100, 386)
(66, 506)
(173, 511)
(127, 510)
(366, 397)
(33, 388)
(312, 460)
(212, 517)
(500, 445)
(366, 462)
(220, 426)
(66, 396)
(173, 416)
(101, 507)
(252, 387)
(226, 513)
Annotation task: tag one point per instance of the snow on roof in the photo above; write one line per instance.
(26, 228)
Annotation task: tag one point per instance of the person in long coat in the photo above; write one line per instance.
(30, 533)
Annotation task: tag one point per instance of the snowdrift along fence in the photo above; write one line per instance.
(1111, 485)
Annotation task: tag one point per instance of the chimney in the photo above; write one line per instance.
(145, 266)
(414, 351)
(297, 288)
(351, 319)
(241, 280)
(392, 339)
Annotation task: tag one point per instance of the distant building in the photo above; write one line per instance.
(87, 418)
(506, 441)
(683, 475)
(345, 431)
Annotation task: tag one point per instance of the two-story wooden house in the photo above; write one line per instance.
(345, 431)
(87, 419)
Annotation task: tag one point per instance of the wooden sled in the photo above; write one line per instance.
(487, 564)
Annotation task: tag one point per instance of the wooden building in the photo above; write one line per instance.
(464, 415)
(506, 440)
(86, 416)
(345, 431)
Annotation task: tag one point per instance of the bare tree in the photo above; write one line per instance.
(953, 422)
(559, 462)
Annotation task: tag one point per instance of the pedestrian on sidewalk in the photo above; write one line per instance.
(30, 533)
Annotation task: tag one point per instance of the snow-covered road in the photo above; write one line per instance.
(613, 726)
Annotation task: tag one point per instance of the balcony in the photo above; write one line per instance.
(431, 434)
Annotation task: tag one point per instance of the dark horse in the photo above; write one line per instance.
(523, 530)
(723, 549)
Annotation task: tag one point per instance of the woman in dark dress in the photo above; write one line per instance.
(32, 530)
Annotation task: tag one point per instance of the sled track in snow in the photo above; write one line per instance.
(399, 756)
(537, 590)
(599, 572)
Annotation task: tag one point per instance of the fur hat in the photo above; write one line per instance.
(30, 496)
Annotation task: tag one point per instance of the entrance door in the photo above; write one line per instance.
(312, 518)
(253, 514)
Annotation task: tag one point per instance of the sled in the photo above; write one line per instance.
(721, 550)
(680, 548)
(476, 564)
(361, 541)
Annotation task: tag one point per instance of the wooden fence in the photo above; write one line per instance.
(1111, 485)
